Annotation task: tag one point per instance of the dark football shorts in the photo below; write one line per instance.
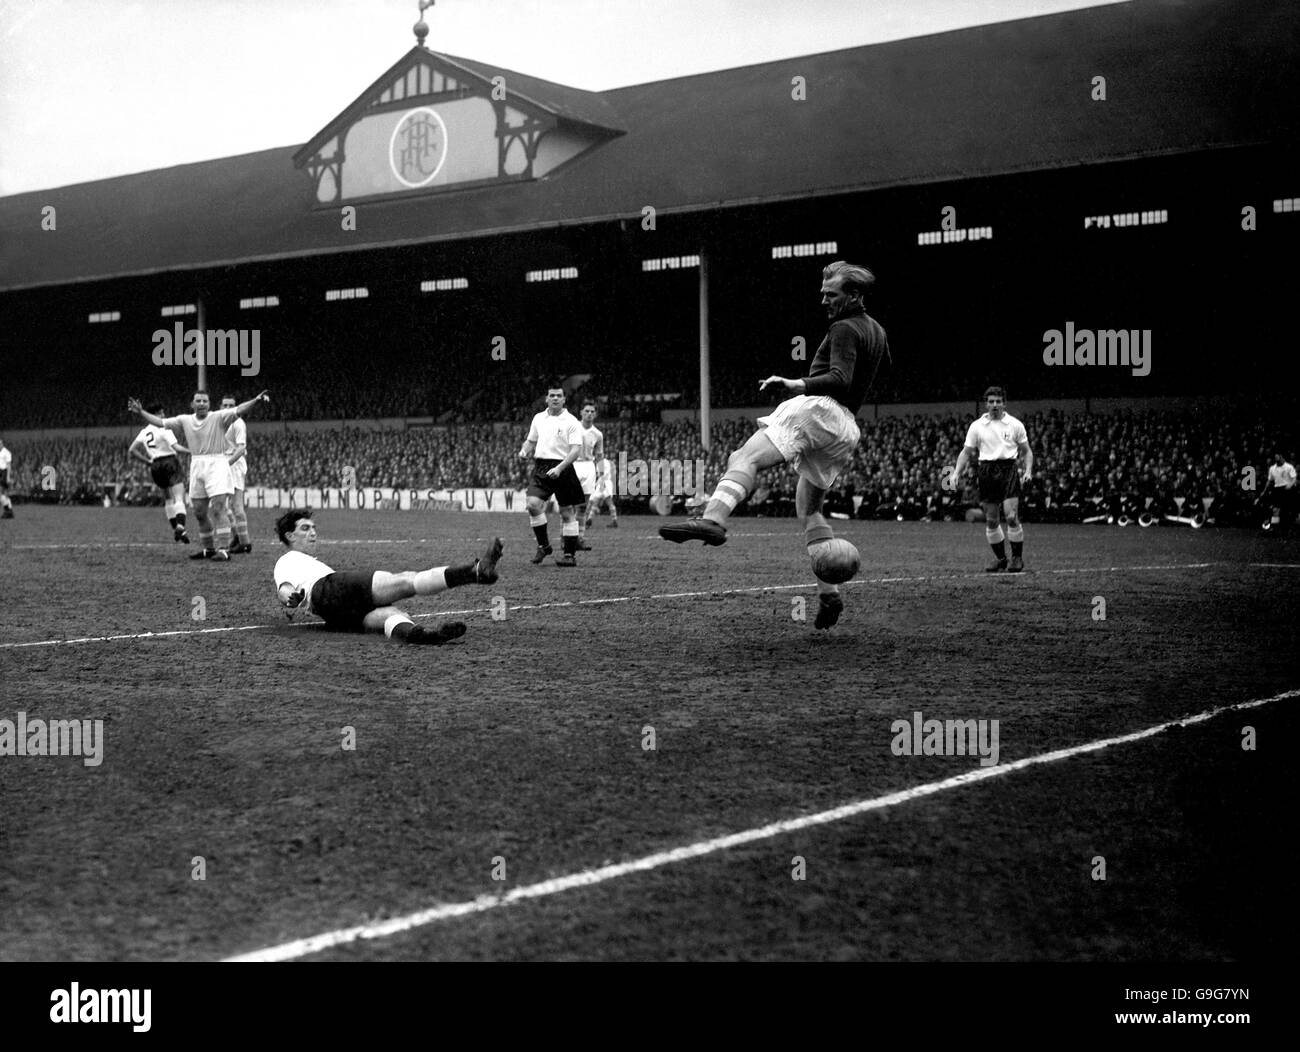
(999, 480)
(4, 480)
(342, 599)
(166, 472)
(567, 489)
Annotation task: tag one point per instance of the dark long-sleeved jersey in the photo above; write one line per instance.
(847, 361)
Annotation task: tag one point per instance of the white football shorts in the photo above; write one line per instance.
(210, 477)
(586, 470)
(239, 472)
(815, 434)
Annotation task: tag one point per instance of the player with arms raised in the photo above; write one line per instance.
(203, 433)
(815, 431)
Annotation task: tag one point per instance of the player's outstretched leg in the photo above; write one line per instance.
(387, 588)
(399, 627)
(734, 487)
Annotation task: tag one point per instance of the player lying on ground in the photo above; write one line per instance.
(815, 431)
(361, 601)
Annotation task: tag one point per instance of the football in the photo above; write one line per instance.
(836, 561)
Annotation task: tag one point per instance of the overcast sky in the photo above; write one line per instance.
(95, 88)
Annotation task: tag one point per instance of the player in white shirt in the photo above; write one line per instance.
(1282, 484)
(555, 440)
(362, 601)
(203, 433)
(589, 466)
(237, 454)
(603, 494)
(6, 462)
(157, 448)
(998, 440)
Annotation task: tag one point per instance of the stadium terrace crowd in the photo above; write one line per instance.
(1084, 464)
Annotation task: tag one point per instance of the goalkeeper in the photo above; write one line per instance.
(353, 601)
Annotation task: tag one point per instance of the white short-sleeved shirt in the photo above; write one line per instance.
(554, 435)
(6, 458)
(237, 435)
(206, 437)
(301, 571)
(1282, 475)
(592, 440)
(157, 442)
(996, 439)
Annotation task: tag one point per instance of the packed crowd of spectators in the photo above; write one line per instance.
(1084, 464)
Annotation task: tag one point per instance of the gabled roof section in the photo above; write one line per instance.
(584, 107)
(1182, 76)
(464, 76)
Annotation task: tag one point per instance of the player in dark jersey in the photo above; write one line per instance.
(815, 431)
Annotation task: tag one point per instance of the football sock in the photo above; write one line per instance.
(538, 523)
(205, 538)
(430, 582)
(995, 539)
(398, 626)
(1016, 535)
(569, 535)
(817, 532)
(733, 487)
(241, 525)
(458, 575)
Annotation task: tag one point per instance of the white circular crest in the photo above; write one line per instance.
(417, 148)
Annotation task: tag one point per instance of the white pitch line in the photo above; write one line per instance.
(606, 601)
(590, 877)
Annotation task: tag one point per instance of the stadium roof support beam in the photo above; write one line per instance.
(704, 349)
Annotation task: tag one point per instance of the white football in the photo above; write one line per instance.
(836, 561)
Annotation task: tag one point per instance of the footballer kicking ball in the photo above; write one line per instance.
(836, 561)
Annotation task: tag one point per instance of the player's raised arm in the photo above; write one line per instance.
(134, 406)
(244, 407)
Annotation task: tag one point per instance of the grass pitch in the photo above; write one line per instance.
(518, 755)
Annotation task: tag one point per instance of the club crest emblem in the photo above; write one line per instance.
(418, 147)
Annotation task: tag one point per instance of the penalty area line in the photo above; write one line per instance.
(591, 877)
